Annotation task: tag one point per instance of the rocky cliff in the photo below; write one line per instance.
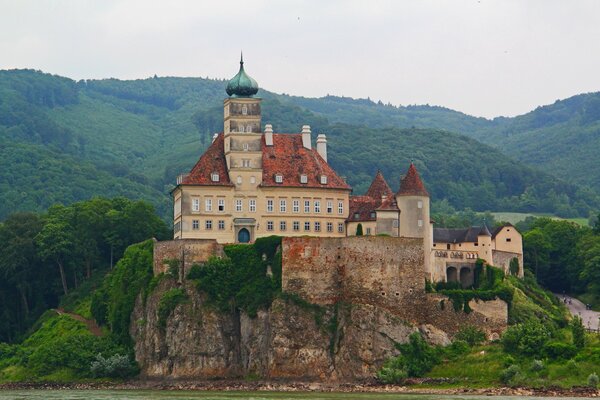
(291, 339)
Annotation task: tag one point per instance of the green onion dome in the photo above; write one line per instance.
(242, 85)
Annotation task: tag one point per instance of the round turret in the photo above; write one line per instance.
(242, 85)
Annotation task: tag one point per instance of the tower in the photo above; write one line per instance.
(413, 201)
(242, 129)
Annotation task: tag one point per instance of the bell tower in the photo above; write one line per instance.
(242, 129)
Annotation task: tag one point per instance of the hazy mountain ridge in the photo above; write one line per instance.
(144, 132)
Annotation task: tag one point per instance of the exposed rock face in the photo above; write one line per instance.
(340, 342)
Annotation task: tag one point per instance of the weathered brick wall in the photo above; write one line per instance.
(188, 251)
(370, 270)
(381, 271)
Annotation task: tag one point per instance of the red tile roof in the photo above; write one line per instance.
(389, 204)
(289, 158)
(411, 184)
(361, 208)
(379, 187)
(213, 160)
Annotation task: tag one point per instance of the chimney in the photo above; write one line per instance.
(215, 136)
(306, 136)
(322, 146)
(269, 135)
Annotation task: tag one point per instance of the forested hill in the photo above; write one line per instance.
(63, 141)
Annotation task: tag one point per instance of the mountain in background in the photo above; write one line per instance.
(63, 141)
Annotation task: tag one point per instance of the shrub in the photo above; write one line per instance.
(471, 334)
(456, 349)
(392, 371)
(537, 365)
(592, 380)
(559, 350)
(526, 339)
(578, 332)
(508, 375)
(115, 366)
(359, 229)
(514, 266)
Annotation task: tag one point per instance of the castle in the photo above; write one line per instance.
(252, 182)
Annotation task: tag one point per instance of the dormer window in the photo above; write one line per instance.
(214, 177)
(244, 110)
(356, 215)
(278, 178)
(373, 214)
(303, 178)
(323, 179)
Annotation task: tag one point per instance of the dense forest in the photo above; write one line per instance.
(63, 141)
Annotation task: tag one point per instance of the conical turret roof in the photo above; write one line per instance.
(242, 85)
(379, 187)
(411, 184)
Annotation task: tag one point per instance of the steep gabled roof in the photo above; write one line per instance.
(379, 187)
(213, 160)
(411, 184)
(362, 208)
(499, 229)
(291, 159)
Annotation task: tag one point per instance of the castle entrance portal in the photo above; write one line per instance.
(243, 235)
(451, 275)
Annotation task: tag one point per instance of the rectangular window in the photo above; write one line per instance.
(195, 204)
(208, 224)
(340, 207)
(296, 225)
(508, 239)
(296, 206)
(307, 226)
(282, 225)
(177, 226)
(282, 206)
(208, 205)
(419, 204)
(221, 225)
(221, 205)
(252, 205)
(329, 206)
(195, 224)
(238, 205)
(303, 178)
(269, 205)
(317, 206)
(246, 163)
(307, 206)
(341, 227)
(330, 227)
(368, 231)
(269, 225)
(317, 227)
(395, 223)
(420, 223)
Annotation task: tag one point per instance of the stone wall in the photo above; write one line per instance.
(187, 251)
(502, 260)
(386, 272)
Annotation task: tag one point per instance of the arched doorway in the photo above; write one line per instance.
(243, 235)
(451, 275)
(466, 277)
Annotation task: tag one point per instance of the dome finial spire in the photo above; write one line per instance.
(241, 57)
(241, 85)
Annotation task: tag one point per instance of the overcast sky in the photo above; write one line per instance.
(482, 57)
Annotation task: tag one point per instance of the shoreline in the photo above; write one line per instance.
(278, 386)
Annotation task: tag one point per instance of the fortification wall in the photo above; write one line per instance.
(187, 251)
(385, 272)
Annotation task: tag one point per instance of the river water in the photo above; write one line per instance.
(198, 395)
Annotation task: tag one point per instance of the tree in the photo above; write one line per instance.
(359, 229)
(578, 332)
(55, 242)
(514, 266)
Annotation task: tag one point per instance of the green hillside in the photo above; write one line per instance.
(64, 141)
(563, 138)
